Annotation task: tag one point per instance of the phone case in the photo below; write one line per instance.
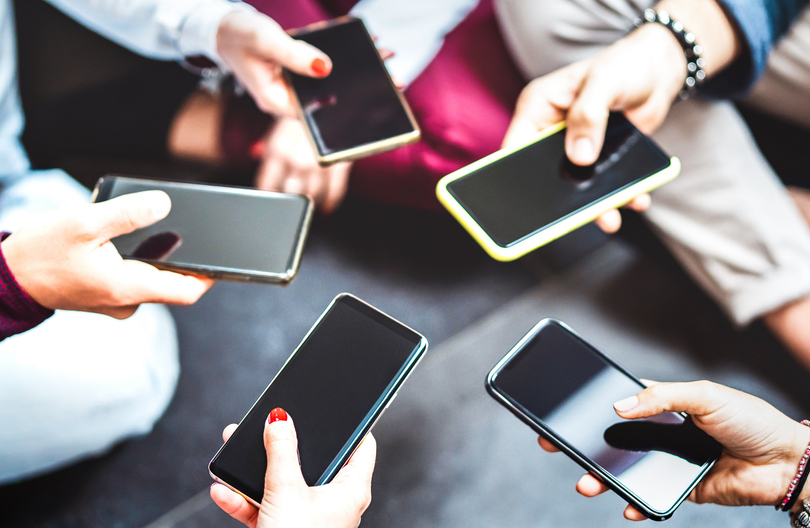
(605, 477)
(281, 279)
(361, 151)
(554, 230)
(341, 459)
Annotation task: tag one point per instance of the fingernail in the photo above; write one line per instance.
(626, 404)
(319, 67)
(277, 415)
(257, 149)
(583, 150)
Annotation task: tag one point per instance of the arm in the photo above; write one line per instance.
(155, 28)
(18, 311)
(232, 34)
(760, 24)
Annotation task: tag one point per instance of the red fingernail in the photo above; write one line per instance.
(276, 415)
(319, 67)
(257, 149)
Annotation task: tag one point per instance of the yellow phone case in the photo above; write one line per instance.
(555, 230)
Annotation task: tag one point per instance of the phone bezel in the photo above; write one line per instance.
(102, 191)
(560, 443)
(360, 151)
(373, 416)
(559, 227)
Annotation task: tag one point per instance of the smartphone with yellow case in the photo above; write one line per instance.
(516, 200)
(356, 110)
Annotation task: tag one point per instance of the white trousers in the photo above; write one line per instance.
(727, 218)
(78, 383)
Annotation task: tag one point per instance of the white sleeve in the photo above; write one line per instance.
(160, 29)
(414, 29)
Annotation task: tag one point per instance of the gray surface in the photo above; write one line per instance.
(450, 456)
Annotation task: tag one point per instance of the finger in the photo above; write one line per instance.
(385, 54)
(263, 81)
(587, 119)
(520, 130)
(275, 45)
(143, 283)
(234, 504)
(281, 444)
(358, 471)
(337, 184)
(632, 514)
(315, 185)
(546, 445)
(589, 486)
(640, 203)
(610, 221)
(125, 214)
(270, 176)
(228, 431)
(294, 185)
(696, 398)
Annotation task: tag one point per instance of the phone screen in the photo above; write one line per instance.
(536, 186)
(216, 228)
(333, 386)
(355, 105)
(569, 387)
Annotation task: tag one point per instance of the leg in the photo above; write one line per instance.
(727, 218)
(463, 102)
(77, 384)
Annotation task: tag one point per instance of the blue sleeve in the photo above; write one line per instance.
(760, 24)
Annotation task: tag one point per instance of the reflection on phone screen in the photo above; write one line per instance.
(562, 382)
(537, 185)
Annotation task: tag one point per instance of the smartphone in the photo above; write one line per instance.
(564, 389)
(516, 200)
(335, 386)
(222, 232)
(355, 111)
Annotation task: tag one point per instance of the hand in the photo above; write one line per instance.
(65, 261)
(288, 501)
(255, 47)
(289, 165)
(585, 92)
(761, 446)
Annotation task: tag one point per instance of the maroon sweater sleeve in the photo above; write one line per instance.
(18, 311)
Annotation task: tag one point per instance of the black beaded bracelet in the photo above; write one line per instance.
(691, 49)
(801, 519)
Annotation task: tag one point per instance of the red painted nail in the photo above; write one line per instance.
(276, 415)
(257, 149)
(320, 68)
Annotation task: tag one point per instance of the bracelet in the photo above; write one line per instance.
(694, 62)
(802, 518)
(796, 485)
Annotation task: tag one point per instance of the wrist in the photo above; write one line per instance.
(795, 450)
(711, 27)
(670, 61)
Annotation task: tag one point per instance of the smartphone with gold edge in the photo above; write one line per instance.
(356, 110)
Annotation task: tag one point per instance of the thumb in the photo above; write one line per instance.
(697, 398)
(297, 56)
(127, 213)
(281, 444)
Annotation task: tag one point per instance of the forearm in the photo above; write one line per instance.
(18, 311)
(155, 28)
(713, 30)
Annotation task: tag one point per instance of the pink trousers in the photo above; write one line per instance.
(463, 102)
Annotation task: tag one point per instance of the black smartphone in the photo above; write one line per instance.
(516, 200)
(335, 386)
(222, 232)
(356, 110)
(564, 389)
